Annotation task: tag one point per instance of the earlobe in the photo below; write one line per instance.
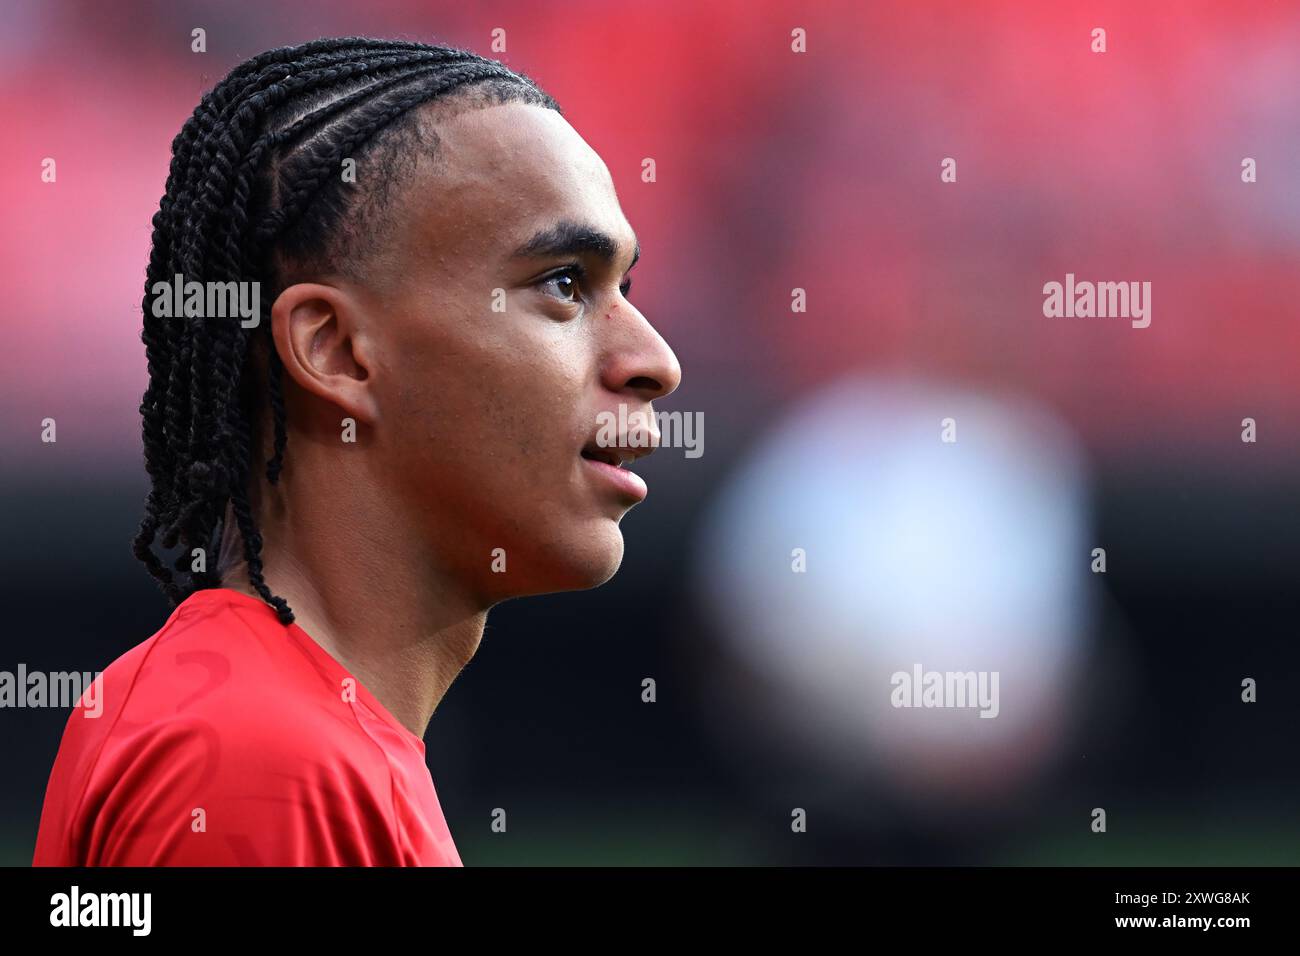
(318, 335)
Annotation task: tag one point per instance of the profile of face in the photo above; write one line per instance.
(491, 336)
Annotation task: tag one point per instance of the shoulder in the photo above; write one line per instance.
(224, 666)
(220, 725)
(226, 680)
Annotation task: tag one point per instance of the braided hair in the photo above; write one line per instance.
(254, 186)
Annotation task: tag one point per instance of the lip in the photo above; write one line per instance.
(627, 483)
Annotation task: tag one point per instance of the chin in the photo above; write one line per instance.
(583, 559)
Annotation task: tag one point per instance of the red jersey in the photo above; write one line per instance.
(229, 739)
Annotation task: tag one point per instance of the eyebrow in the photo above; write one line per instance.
(573, 238)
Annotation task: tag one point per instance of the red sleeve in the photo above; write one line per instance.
(178, 794)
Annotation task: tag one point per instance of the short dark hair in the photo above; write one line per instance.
(255, 183)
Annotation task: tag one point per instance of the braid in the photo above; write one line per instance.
(254, 182)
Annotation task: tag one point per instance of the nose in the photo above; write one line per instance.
(639, 361)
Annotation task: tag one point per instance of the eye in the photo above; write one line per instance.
(564, 283)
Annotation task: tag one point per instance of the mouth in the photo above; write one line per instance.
(610, 456)
(609, 466)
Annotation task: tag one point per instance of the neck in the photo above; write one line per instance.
(366, 590)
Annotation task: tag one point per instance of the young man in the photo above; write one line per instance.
(410, 436)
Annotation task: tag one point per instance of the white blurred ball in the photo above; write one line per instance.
(963, 556)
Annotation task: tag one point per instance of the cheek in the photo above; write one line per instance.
(480, 445)
(486, 415)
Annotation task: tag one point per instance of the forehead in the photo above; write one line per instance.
(501, 175)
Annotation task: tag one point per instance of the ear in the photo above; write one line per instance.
(319, 333)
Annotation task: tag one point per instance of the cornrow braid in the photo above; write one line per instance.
(255, 183)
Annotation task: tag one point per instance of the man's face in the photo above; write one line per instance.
(484, 415)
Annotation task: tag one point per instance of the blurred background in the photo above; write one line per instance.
(775, 171)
